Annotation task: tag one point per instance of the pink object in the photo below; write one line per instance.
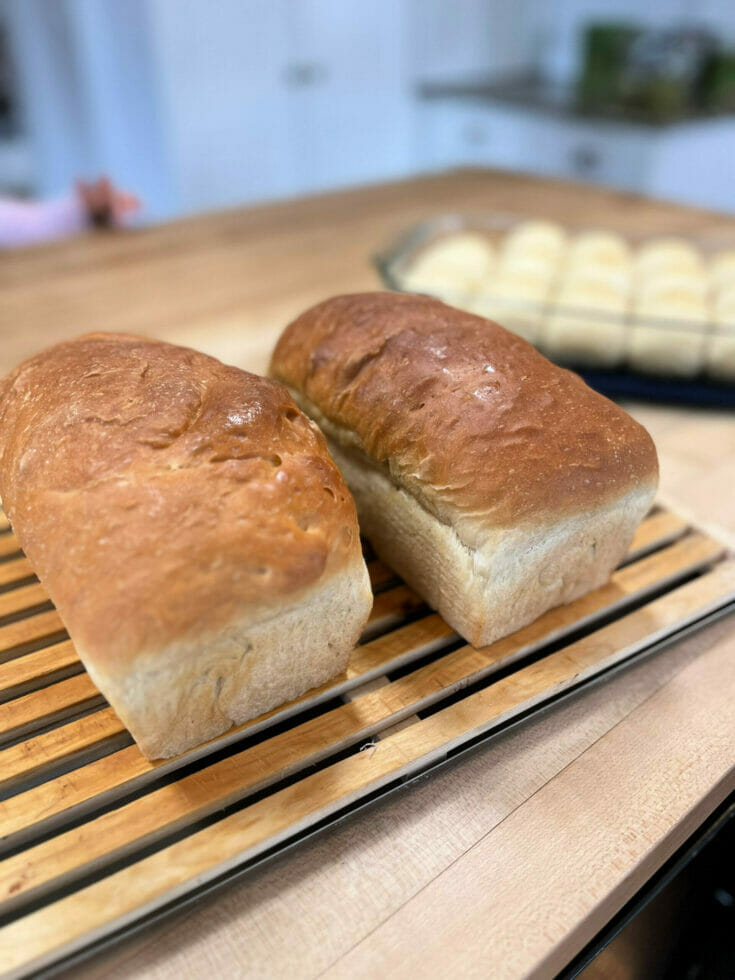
(30, 222)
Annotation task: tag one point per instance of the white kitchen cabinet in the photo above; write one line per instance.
(267, 100)
(694, 164)
(349, 98)
(605, 153)
(199, 105)
(466, 38)
(689, 162)
(456, 133)
(510, 137)
(220, 71)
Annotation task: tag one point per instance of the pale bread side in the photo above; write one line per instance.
(505, 578)
(195, 690)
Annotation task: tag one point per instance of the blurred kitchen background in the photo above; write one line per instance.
(201, 104)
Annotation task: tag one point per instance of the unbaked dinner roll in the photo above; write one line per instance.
(541, 267)
(722, 269)
(724, 302)
(535, 238)
(674, 288)
(589, 274)
(515, 300)
(669, 255)
(455, 266)
(587, 325)
(603, 248)
(497, 484)
(598, 256)
(191, 528)
(668, 337)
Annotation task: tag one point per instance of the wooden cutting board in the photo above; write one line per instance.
(94, 838)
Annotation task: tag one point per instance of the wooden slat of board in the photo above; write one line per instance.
(127, 769)
(23, 599)
(35, 670)
(686, 555)
(8, 544)
(145, 819)
(27, 634)
(388, 652)
(4, 523)
(40, 708)
(655, 531)
(80, 740)
(584, 852)
(15, 570)
(228, 780)
(146, 884)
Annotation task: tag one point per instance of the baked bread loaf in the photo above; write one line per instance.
(199, 543)
(497, 484)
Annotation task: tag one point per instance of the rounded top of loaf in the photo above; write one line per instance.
(159, 493)
(463, 414)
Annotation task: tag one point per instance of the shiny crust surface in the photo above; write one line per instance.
(466, 416)
(160, 494)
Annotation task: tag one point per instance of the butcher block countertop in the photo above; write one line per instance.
(508, 862)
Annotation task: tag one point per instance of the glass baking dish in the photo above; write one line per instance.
(675, 355)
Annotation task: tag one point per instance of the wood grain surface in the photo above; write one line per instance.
(65, 860)
(587, 799)
(115, 774)
(563, 886)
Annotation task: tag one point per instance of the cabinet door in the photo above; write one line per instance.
(693, 163)
(349, 96)
(220, 68)
(457, 133)
(599, 152)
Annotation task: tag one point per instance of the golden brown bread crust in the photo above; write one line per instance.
(160, 494)
(468, 417)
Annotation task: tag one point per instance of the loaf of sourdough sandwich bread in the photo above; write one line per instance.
(189, 524)
(497, 484)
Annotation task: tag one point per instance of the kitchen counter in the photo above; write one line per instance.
(536, 94)
(508, 862)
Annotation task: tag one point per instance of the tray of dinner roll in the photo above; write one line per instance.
(652, 316)
(97, 840)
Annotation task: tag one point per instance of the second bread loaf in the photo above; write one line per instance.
(497, 484)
